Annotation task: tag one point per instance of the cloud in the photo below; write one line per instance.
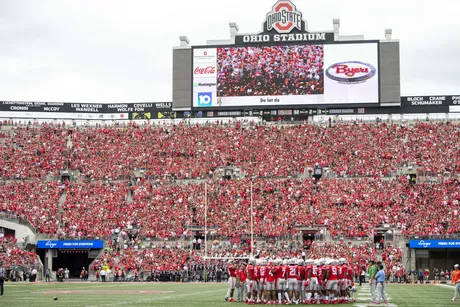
(110, 50)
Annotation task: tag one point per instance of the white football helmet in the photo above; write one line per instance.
(252, 261)
(300, 262)
(285, 262)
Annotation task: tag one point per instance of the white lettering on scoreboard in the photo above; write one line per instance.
(432, 101)
(299, 37)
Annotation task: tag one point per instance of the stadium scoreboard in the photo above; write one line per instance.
(277, 75)
(286, 66)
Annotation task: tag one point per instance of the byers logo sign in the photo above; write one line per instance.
(284, 17)
(350, 72)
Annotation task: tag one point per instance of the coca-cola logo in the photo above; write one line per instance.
(351, 71)
(209, 70)
(284, 17)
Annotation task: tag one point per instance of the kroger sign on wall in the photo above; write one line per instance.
(429, 244)
(280, 74)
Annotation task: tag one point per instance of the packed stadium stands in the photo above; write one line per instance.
(191, 152)
(13, 256)
(364, 187)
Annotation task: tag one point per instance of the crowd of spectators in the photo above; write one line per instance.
(190, 152)
(355, 207)
(272, 71)
(13, 256)
(345, 207)
(35, 201)
(157, 210)
(32, 151)
(349, 208)
(178, 261)
(95, 209)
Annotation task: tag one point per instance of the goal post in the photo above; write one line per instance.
(206, 221)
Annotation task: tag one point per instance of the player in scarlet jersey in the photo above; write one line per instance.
(311, 274)
(281, 285)
(342, 271)
(322, 274)
(292, 273)
(331, 281)
(300, 281)
(231, 269)
(350, 283)
(256, 286)
(251, 280)
(242, 277)
(262, 275)
(270, 293)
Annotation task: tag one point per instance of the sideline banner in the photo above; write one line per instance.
(434, 244)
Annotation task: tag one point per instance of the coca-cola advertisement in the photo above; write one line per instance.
(208, 70)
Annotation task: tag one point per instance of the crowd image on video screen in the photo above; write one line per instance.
(270, 70)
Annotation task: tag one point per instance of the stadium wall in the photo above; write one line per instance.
(20, 231)
(390, 79)
(182, 78)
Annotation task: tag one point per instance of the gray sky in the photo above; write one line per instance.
(121, 51)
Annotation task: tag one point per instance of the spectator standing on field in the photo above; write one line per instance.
(455, 281)
(380, 279)
(372, 281)
(426, 275)
(66, 274)
(103, 272)
(34, 275)
(362, 276)
(2, 278)
(420, 276)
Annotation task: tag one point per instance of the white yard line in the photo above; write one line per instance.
(364, 294)
(447, 286)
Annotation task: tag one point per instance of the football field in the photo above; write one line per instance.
(188, 294)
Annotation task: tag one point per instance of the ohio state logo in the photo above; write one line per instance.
(284, 17)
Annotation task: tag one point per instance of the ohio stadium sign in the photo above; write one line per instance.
(284, 23)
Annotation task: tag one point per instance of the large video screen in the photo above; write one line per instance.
(285, 75)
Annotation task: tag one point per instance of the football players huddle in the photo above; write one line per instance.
(291, 281)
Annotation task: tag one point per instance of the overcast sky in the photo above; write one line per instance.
(121, 51)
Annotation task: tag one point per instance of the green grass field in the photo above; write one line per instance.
(172, 294)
